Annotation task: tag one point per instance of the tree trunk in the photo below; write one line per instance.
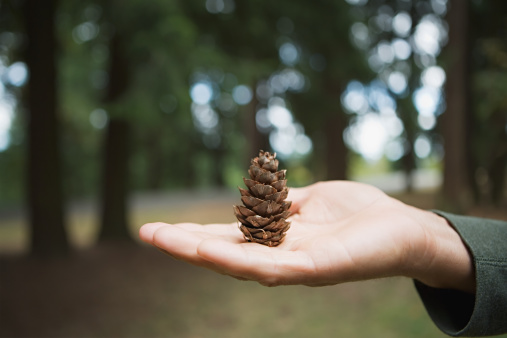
(156, 160)
(45, 196)
(456, 187)
(408, 116)
(114, 222)
(115, 182)
(335, 124)
(336, 151)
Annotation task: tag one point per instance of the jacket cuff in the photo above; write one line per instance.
(458, 313)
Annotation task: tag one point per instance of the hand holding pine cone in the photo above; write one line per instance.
(264, 215)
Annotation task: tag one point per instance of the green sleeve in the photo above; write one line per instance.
(485, 313)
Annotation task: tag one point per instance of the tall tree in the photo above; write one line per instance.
(488, 139)
(115, 176)
(45, 197)
(455, 120)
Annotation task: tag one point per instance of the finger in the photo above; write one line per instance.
(146, 232)
(268, 266)
(298, 196)
(230, 230)
(179, 243)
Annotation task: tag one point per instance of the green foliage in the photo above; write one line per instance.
(170, 45)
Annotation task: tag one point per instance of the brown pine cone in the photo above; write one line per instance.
(264, 215)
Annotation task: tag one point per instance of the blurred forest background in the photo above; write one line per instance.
(115, 113)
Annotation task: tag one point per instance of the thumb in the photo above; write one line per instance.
(298, 197)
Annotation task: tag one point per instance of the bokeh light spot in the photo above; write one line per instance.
(242, 95)
(5, 125)
(426, 100)
(201, 93)
(422, 146)
(303, 144)
(98, 118)
(357, 2)
(428, 35)
(394, 150)
(17, 74)
(433, 76)
(402, 23)
(220, 6)
(426, 122)
(85, 32)
(367, 136)
(402, 49)
(262, 120)
(360, 35)
(397, 82)
(385, 52)
(278, 116)
(205, 118)
(288, 54)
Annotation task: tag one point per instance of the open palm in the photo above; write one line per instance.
(340, 231)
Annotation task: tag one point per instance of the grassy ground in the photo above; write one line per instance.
(121, 291)
(131, 290)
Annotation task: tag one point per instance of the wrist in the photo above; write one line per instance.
(442, 258)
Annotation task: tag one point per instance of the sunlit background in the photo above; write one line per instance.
(160, 105)
(400, 43)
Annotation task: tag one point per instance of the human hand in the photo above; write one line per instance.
(340, 231)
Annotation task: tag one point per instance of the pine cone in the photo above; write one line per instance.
(264, 215)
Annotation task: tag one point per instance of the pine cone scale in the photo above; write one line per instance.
(283, 215)
(279, 185)
(249, 183)
(243, 211)
(263, 190)
(259, 221)
(251, 201)
(279, 196)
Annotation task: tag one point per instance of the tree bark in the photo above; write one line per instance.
(456, 187)
(45, 196)
(336, 150)
(335, 124)
(156, 162)
(114, 222)
(114, 219)
(408, 116)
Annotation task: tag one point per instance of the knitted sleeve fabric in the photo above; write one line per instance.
(485, 313)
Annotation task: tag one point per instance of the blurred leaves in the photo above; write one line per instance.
(172, 45)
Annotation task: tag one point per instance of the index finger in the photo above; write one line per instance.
(266, 265)
(230, 230)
